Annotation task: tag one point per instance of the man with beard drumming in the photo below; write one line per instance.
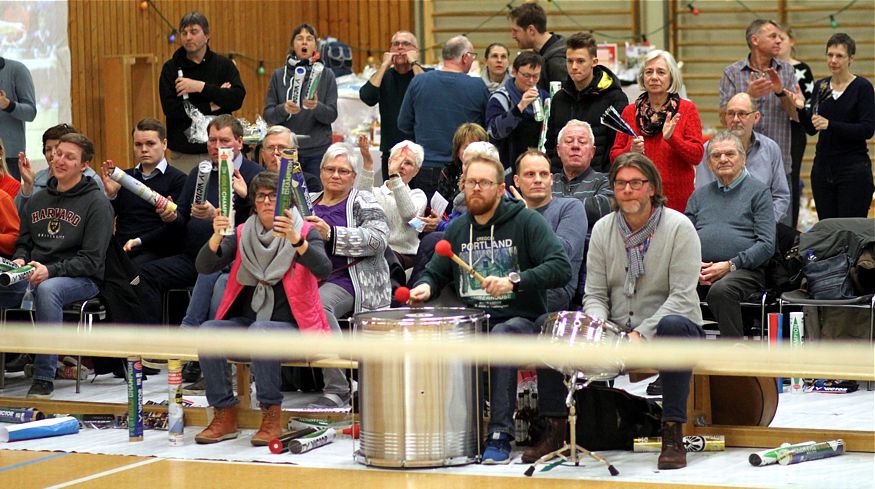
(520, 257)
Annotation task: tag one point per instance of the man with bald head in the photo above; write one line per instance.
(438, 102)
(764, 160)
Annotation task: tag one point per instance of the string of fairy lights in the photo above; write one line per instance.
(692, 7)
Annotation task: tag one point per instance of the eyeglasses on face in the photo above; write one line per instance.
(484, 184)
(327, 170)
(265, 197)
(635, 184)
(741, 115)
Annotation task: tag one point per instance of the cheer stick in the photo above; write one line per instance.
(444, 248)
(613, 120)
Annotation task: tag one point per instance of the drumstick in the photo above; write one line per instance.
(444, 248)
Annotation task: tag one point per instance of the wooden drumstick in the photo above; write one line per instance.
(444, 248)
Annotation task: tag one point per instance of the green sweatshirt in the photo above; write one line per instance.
(515, 239)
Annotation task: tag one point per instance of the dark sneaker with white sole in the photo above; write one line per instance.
(41, 389)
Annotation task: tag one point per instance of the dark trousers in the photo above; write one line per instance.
(156, 277)
(798, 140)
(424, 254)
(311, 165)
(724, 295)
(12, 164)
(503, 380)
(675, 383)
(842, 189)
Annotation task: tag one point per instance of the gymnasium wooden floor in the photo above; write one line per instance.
(26, 469)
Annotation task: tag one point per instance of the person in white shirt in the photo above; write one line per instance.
(402, 205)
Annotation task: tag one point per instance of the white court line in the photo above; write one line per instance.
(107, 472)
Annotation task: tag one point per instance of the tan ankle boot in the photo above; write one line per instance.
(673, 454)
(222, 427)
(553, 439)
(270, 425)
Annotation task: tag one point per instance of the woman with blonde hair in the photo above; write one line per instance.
(8, 184)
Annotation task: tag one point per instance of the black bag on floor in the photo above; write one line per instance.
(610, 419)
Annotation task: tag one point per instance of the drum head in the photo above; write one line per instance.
(576, 328)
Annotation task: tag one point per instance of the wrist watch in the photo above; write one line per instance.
(780, 94)
(515, 279)
(731, 266)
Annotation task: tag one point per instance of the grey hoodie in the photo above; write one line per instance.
(68, 232)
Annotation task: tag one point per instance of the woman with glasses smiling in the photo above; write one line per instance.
(356, 235)
(668, 128)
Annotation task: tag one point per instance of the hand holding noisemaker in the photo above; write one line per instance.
(141, 190)
(444, 248)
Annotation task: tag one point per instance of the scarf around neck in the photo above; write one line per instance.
(650, 120)
(637, 243)
(264, 259)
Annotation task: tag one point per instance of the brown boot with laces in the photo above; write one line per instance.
(270, 425)
(673, 454)
(553, 439)
(222, 427)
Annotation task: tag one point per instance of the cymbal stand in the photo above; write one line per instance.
(574, 382)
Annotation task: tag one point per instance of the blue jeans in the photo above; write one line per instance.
(205, 298)
(311, 165)
(49, 299)
(503, 380)
(217, 371)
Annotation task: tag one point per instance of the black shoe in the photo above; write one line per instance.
(18, 364)
(41, 389)
(198, 388)
(655, 387)
(149, 371)
(120, 371)
(191, 372)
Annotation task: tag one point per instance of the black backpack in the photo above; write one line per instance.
(610, 419)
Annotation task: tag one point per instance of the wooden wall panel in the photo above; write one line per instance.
(257, 30)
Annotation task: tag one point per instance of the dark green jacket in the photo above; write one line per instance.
(515, 239)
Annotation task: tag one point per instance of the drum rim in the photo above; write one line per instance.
(462, 314)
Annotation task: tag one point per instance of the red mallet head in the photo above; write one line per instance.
(276, 446)
(443, 248)
(402, 295)
(352, 431)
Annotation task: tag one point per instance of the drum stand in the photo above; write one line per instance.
(574, 451)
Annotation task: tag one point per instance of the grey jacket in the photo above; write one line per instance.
(668, 286)
(366, 236)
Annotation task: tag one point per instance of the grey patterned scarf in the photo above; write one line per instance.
(264, 259)
(636, 247)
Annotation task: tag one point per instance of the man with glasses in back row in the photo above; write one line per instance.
(387, 87)
(461, 99)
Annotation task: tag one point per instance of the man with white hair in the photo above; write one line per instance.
(400, 203)
(458, 97)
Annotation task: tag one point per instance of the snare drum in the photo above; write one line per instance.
(574, 328)
(419, 413)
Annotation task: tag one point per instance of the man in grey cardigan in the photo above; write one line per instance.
(642, 270)
(736, 225)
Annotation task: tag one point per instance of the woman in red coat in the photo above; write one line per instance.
(668, 127)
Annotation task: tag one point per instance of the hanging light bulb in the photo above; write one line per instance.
(144, 5)
(833, 22)
(260, 68)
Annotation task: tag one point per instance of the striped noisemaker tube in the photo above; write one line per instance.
(175, 413)
(135, 399)
(139, 189)
(9, 277)
(226, 187)
(285, 196)
(315, 76)
(298, 85)
(203, 181)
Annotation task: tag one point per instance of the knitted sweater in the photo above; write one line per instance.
(9, 225)
(400, 203)
(737, 225)
(567, 218)
(676, 159)
(365, 238)
(668, 286)
(10, 185)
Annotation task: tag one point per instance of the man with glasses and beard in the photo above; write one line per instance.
(520, 257)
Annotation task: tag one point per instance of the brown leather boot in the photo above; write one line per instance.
(553, 439)
(222, 427)
(673, 454)
(270, 425)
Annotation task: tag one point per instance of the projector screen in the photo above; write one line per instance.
(35, 33)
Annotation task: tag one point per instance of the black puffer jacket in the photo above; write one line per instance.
(586, 105)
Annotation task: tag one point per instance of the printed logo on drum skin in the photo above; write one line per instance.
(488, 257)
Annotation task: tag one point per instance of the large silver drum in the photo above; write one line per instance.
(418, 413)
(576, 328)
